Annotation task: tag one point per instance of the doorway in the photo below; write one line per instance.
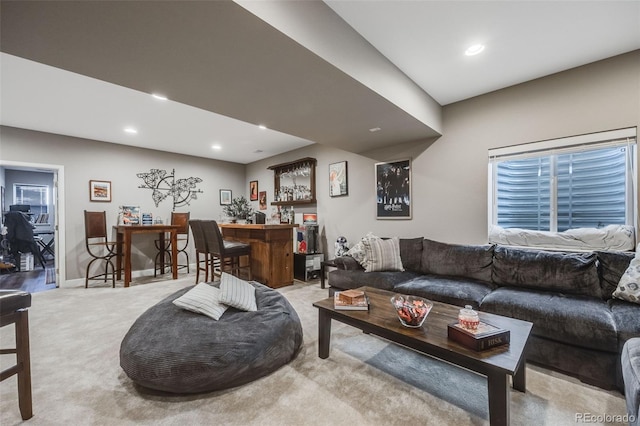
(52, 228)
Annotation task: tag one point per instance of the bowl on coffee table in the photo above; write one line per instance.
(411, 310)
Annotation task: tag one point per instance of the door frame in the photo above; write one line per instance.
(59, 200)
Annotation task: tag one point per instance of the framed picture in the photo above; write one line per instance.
(262, 198)
(100, 190)
(253, 190)
(393, 190)
(225, 197)
(338, 180)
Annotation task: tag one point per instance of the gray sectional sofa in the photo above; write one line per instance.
(578, 328)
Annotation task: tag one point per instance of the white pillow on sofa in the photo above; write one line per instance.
(202, 299)
(357, 251)
(237, 293)
(629, 286)
(382, 255)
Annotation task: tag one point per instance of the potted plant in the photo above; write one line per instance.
(240, 209)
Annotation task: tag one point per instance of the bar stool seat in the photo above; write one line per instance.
(13, 310)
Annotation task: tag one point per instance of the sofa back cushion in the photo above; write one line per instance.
(457, 260)
(563, 272)
(612, 266)
(411, 253)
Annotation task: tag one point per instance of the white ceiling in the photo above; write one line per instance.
(424, 39)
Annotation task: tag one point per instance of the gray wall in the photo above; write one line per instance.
(449, 177)
(84, 160)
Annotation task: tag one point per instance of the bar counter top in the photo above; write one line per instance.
(258, 226)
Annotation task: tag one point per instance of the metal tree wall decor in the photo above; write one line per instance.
(166, 185)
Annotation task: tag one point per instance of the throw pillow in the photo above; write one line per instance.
(202, 299)
(629, 286)
(237, 293)
(382, 255)
(357, 251)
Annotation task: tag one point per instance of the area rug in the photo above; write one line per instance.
(77, 380)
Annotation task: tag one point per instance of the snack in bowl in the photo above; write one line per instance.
(411, 310)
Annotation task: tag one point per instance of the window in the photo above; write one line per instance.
(585, 181)
(37, 196)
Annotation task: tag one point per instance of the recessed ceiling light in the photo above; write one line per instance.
(474, 50)
(262, 126)
(159, 97)
(216, 147)
(130, 130)
(375, 129)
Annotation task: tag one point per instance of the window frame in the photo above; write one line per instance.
(44, 189)
(553, 148)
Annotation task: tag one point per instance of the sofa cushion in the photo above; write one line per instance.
(344, 280)
(454, 291)
(411, 253)
(612, 266)
(382, 255)
(627, 318)
(577, 320)
(357, 251)
(457, 260)
(564, 272)
(629, 286)
(348, 263)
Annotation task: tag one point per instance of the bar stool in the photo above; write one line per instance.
(229, 252)
(13, 310)
(201, 249)
(181, 220)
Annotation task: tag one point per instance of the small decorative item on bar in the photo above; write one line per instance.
(129, 215)
(147, 218)
(411, 310)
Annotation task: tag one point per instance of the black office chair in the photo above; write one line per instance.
(98, 246)
(20, 236)
(182, 220)
(228, 252)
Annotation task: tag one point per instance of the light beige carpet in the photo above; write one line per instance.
(77, 380)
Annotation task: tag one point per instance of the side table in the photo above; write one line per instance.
(330, 263)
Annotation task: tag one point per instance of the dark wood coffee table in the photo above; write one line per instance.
(431, 339)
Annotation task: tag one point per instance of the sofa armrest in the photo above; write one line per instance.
(347, 263)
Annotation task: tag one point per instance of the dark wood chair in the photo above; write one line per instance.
(13, 310)
(182, 220)
(99, 247)
(201, 249)
(228, 252)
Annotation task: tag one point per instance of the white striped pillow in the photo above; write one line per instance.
(237, 293)
(202, 299)
(382, 255)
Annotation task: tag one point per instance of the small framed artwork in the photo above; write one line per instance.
(100, 190)
(253, 190)
(393, 190)
(338, 179)
(225, 197)
(262, 198)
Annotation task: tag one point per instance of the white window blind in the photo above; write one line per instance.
(585, 181)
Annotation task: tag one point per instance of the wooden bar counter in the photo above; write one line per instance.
(271, 250)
